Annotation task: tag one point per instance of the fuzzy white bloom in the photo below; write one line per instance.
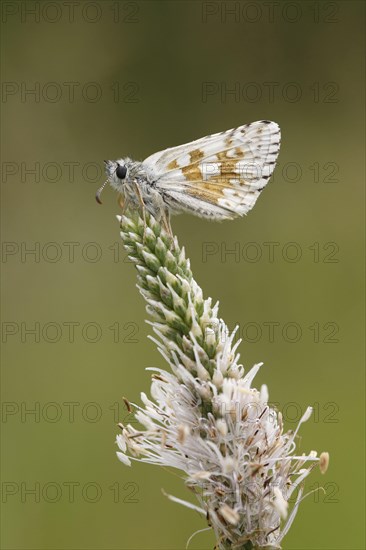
(204, 417)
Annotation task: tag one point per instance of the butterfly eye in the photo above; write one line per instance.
(121, 172)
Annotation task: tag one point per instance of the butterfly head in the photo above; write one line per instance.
(117, 174)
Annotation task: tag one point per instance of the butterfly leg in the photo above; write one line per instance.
(143, 207)
(166, 223)
(123, 202)
(125, 206)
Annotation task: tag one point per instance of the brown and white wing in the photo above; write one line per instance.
(219, 176)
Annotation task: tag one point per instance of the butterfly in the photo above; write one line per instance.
(218, 177)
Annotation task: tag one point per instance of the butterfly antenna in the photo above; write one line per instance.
(99, 192)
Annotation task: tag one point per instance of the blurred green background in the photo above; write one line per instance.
(111, 79)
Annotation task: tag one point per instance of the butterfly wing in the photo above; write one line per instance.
(218, 176)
